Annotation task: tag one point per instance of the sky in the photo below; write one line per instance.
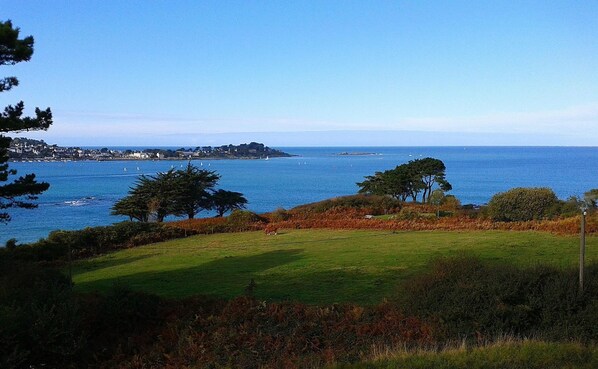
(310, 73)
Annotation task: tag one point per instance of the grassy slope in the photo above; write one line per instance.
(525, 355)
(314, 266)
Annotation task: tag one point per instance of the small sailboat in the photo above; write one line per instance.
(267, 158)
(124, 170)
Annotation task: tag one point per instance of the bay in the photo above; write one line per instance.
(82, 192)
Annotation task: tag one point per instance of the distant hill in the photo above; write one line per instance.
(30, 149)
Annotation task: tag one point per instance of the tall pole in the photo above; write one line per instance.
(582, 249)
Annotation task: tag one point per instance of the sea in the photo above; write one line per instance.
(82, 192)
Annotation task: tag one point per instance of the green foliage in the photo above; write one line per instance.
(374, 204)
(408, 180)
(313, 266)
(279, 215)
(92, 241)
(243, 220)
(591, 197)
(179, 193)
(225, 201)
(122, 312)
(468, 297)
(192, 188)
(408, 214)
(19, 192)
(40, 320)
(522, 204)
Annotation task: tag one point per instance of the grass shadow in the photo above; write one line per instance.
(223, 277)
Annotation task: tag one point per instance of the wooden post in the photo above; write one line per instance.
(582, 249)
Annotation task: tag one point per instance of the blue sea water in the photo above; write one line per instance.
(82, 193)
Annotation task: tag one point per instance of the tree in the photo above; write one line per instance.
(591, 197)
(436, 198)
(179, 193)
(192, 190)
(408, 180)
(19, 192)
(137, 204)
(224, 201)
(431, 171)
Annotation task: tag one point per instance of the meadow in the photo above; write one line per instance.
(316, 266)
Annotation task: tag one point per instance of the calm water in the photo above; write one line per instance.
(82, 193)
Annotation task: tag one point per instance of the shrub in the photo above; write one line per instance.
(471, 298)
(522, 204)
(93, 241)
(408, 214)
(372, 204)
(122, 313)
(40, 322)
(279, 215)
(245, 220)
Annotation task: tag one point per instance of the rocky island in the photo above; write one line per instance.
(25, 149)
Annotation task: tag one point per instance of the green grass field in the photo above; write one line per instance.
(313, 266)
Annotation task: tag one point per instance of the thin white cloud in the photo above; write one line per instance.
(576, 121)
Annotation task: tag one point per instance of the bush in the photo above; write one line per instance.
(372, 204)
(122, 313)
(93, 241)
(523, 204)
(245, 220)
(40, 321)
(471, 298)
(279, 215)
(408, 214)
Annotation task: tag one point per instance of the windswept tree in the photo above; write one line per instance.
(176, 192)
(431, 171)
(19, 192)
(224, 201)
(408, 180)
(136, 205)
(192, 190)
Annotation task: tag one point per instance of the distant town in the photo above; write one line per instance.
(25, 149)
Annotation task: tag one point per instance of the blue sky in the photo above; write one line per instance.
(311, 73)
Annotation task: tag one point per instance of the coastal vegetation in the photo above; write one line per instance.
(315, 266)
(408, 180)
(183, 192)
(19, 191)
(345, 281)
(488, 300)
(24, 149)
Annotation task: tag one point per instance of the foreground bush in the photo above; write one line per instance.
(40, 320)
(522, 204)
(246, 333)
(470, 298)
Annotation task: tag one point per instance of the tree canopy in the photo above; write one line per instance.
(224, 201)
(408, 180)
(183, 192)
(19, 192)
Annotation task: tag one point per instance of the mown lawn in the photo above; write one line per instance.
(313, 266)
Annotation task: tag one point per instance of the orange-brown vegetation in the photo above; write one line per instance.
(349, 218)
(247, 333)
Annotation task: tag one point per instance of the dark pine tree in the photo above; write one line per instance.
(18, 192)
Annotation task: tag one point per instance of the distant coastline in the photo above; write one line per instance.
(347, 153)
(29, 150)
